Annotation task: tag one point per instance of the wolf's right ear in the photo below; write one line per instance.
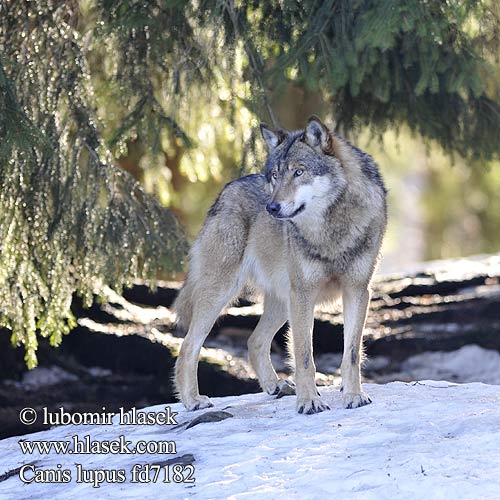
(272, 138)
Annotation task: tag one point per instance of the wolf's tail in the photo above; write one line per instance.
(183, 307)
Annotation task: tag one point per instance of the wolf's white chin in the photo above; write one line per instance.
(294, 213)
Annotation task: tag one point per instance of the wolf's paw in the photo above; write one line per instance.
(284, 387)
(198, 403)
(355, 399)
(310, 406)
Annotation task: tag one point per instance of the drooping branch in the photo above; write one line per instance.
(70, 219)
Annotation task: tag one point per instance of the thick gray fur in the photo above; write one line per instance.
(308, 230)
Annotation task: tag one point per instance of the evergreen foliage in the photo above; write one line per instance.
(79, 79)
(427, 64)
(70, 220)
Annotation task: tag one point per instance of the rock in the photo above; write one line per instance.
(209, 416)
(186, 459)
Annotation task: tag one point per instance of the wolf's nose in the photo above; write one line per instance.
(273, 208)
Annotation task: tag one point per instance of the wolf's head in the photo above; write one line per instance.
(303, 171)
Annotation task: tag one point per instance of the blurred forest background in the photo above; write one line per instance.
(172, 92)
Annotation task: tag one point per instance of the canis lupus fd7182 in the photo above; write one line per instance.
(306, 231)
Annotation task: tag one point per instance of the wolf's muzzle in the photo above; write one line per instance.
(273, 208)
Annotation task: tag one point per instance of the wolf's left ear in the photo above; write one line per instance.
(317, 135)
(271, 137)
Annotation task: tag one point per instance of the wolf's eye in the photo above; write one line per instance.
(298, 172)
(274, 175)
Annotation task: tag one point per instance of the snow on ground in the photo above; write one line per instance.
(470, 363)
(432, 440)
(42, 376)
(467, 364)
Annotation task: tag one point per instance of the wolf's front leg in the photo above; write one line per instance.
(355, 301)
(302, 321)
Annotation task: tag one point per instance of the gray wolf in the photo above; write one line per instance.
(306, 231)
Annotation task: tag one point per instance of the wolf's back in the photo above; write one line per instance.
(221, 242)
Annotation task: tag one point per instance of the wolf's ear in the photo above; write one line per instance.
(272, 138)
(317, 135)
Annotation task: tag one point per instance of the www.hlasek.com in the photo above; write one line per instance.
(164, 471)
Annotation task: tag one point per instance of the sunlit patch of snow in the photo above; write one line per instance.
(97, 371)
(470, 363)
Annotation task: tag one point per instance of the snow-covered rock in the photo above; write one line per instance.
(432, 440)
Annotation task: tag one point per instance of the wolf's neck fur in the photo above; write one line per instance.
(342, 226)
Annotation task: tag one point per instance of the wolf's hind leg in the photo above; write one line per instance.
(355, 300)
(259, 347)
(208, 308)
